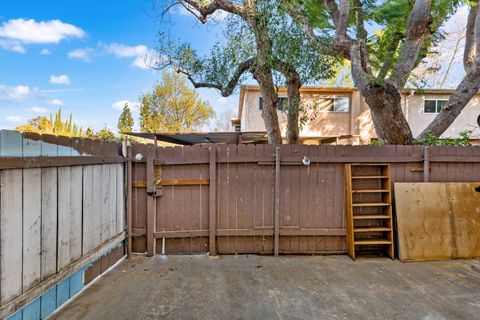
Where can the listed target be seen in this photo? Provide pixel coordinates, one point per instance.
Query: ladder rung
(371, 216)
(372, 242)
(372, 229)
(373, 204)
(369, 177)
(370, 191)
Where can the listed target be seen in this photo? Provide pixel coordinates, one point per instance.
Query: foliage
(105, 135)
(44, 125)
(173, 106)
(432, 140)
(125, 122)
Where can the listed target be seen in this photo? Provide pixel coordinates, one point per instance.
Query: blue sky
(86, 57)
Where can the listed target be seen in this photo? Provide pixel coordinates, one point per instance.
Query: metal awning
(205, 137)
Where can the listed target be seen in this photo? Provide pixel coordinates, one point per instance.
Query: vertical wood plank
(113, 200)
(76, 199)
(88, 212)
(277, 201)
(10, 234)
(97, 206)
(212, 201)
(105, 205)
(49, 222)
(129, 200)
(150, 206)
(64, 217)
(120, 203)
(32, 225)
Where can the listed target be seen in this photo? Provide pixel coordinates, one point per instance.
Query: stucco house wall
(357, 122)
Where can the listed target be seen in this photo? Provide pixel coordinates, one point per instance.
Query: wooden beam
(34, 292)
(426, 164)
(284, 231)
(212, 207)
(173, 182)
(45, 162)
(276, 206)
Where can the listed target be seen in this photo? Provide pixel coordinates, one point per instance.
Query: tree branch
(418, 28)
(226, 90)
(206, 9)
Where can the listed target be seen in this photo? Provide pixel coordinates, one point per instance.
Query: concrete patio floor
(294, 287)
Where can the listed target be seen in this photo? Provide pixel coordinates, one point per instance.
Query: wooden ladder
(368, 203)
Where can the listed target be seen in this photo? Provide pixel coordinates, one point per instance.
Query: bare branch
(206, 9)
(226, 90)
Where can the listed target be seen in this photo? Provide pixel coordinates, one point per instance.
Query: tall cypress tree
(125, 122)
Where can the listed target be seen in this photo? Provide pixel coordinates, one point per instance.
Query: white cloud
(16, 93)
(12, 46)
(45, 52)
(39, 110)
(134, 106)
(56, 102)
(62, 79)
(144, 57)
(82, 54)
(31, 31)
(13, 118)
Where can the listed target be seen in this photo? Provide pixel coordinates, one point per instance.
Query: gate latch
(154, 192)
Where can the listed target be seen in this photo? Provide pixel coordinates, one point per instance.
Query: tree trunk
(293, 112)
(269, 112)
(387, 115)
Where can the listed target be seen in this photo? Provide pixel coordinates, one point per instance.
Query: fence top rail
(44, 162)
(294, 154)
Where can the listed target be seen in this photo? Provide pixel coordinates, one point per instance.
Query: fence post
(129, 201)
(277, 201)
(426, 164)
(212, 187)
(151, 196)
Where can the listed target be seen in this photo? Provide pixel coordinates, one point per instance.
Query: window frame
(260, 102)
(334, 98)
(436, 105)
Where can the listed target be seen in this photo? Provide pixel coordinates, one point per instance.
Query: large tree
(173, 106)
(382, 61)
(260, 41)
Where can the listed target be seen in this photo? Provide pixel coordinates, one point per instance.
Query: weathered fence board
(49, 222)
(32, 226)
(311, 215)
(11, 234)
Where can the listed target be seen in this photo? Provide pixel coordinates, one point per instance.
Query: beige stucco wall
(325, 124)
(418, 120)
(358, 121)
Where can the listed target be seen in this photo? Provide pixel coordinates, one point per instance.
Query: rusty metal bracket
(155, 192)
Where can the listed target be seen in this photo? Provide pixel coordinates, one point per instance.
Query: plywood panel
(49, 222)
(32, 225)
(10, 234)
(438, 220)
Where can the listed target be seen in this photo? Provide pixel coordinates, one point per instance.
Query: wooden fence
(261, 199)
(58, 214)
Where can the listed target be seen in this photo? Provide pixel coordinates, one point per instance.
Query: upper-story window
(434, 105)
(282, 103)
(333, 104)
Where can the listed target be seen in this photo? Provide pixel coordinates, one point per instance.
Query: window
(434, 106)
(282, 103)
(334, 104)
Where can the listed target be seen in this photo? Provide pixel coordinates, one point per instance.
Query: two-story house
(340, 115)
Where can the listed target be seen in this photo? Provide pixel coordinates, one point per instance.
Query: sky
(86, 57)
